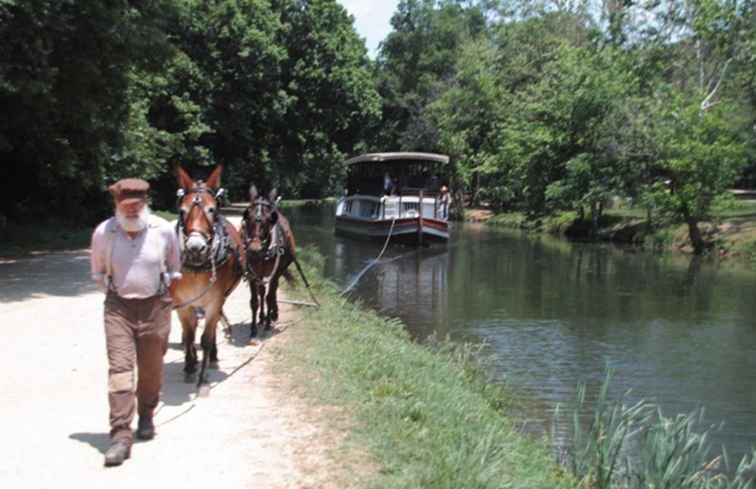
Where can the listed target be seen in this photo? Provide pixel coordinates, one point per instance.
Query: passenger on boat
(445, 200)
(388, 184)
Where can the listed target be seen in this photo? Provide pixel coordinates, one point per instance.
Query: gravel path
(53, 397)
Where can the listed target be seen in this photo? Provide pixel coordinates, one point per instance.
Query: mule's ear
(272, 196)
(214, 180)
(184, 180)
(253, 193)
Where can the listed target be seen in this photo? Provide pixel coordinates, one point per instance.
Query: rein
(210, 284)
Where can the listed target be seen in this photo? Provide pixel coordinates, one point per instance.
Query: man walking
(135, 258)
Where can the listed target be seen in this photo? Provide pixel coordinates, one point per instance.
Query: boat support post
(420, 221)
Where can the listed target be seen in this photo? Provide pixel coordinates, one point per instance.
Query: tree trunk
(475, 200)
(595, 214)
(695, 236)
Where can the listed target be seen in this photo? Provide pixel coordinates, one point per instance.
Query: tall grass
(595, 450)
(637, 447)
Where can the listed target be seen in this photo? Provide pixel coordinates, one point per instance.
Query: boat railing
(390, 207)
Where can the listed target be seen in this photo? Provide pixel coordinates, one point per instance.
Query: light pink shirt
(139, 266)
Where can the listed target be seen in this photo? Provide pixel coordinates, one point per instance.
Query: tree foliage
(544, 105)
(276, 90)
(549, 106)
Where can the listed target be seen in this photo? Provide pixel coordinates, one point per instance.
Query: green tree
(700, 156)
(283, 88)
(466, 117)
(65, 69)
(416, 62)
(330, 93)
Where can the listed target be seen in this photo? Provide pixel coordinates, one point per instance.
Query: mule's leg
(263, 316)
(188, 328)
(272, 299)
(208, 343)
(226, 324)
(214, 355)
(253, 307)
(214, 317)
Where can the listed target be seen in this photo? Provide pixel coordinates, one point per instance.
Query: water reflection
(677, 331)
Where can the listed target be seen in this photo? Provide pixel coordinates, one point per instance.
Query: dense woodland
(543, 106)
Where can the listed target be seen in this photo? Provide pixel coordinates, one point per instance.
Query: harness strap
(110, 231)
(275, 248)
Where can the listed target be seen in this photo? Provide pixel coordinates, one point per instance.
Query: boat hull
(403, 230)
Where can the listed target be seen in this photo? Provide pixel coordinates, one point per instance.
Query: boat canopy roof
(396, 173)
(398, 156)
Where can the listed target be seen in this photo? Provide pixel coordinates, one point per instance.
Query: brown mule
(212, 263)
(269, 249)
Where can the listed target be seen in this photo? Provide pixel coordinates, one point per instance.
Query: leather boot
(117, 453)
(145, 428)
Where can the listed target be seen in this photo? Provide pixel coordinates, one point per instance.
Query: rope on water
(372, 262)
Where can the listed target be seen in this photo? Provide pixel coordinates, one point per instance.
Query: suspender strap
(110, 231)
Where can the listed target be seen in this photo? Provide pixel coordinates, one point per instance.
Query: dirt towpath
(250, 432)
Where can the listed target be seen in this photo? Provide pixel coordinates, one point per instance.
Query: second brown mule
(269, 250)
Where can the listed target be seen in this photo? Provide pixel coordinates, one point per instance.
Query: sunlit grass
(426, 412)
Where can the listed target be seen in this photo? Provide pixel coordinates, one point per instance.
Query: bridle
(196, 202)
(260, 203)
(215, 239)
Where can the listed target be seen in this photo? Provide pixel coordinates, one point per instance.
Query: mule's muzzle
(196, 245)
(256, 245)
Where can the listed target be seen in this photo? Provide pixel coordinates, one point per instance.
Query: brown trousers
(136, 332)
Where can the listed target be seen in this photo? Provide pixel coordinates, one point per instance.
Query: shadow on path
(64, 274)
(98, 441)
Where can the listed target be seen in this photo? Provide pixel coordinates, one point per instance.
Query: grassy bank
(23, 239)
(425, 412)
(307, 203)
(731, 232)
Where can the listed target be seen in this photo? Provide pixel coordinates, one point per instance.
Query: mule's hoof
(203, 390)
(213, 364)
(253, 342)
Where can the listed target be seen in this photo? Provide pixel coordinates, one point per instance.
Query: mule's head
(261, 216)
(198, 211)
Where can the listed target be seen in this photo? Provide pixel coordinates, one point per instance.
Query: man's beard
(134, 224)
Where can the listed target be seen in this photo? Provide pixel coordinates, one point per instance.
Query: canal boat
(399, 196)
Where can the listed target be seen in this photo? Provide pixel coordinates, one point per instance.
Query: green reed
(637, 447)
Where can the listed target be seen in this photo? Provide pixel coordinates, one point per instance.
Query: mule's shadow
(176, 391)
(237, 336)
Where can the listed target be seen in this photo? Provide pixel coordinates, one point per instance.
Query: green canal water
(552, 313)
